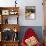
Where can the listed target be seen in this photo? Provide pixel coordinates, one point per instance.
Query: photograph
(30, 13)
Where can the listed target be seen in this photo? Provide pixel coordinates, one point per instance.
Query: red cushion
(29, 33)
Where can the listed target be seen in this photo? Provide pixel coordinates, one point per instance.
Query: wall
(7, 3)
(22, 3)
(39, 16)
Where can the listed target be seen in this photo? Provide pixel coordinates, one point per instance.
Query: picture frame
(30, 12)
(5, 12)
(12, 12)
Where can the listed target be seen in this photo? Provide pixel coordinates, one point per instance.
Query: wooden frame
(5, 12)
(30, 13)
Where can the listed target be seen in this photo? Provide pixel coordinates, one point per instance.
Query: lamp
(15, 3)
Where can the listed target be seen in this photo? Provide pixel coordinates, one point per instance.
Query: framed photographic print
(12, 12)
(5, 12)
(30, 12)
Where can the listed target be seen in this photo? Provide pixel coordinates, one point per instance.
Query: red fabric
(28, 33)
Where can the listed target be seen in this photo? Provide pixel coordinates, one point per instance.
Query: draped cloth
(28, 34)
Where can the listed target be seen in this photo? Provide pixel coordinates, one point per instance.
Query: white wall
(7, 3)
(12, 19)
(22, 3)
(39, 13)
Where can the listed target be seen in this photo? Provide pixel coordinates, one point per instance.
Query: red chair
(29, 33)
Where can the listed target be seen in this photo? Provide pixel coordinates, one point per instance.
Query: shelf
(11, 41)
(8, 10)
(9, 15)
(10, 26)
(9, 20)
